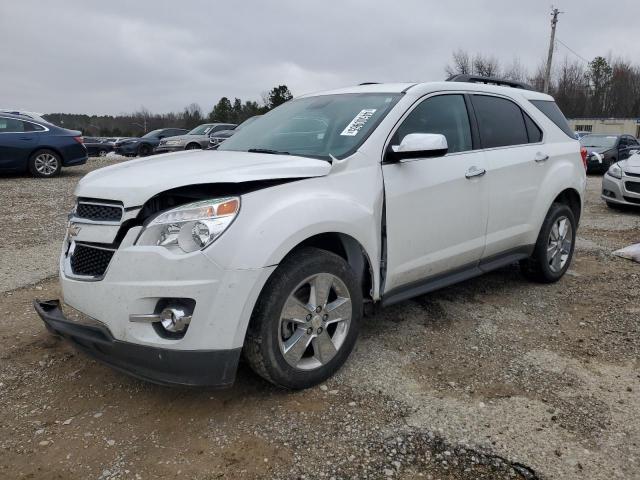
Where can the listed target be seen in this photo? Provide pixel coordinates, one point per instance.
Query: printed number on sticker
(358, 122)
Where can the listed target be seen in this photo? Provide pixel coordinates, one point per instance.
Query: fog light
(174, 319)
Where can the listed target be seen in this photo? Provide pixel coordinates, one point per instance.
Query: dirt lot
(494, 378)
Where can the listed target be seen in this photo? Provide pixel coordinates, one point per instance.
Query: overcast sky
(108, 57)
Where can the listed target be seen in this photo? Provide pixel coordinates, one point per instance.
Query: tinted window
(533, 131)
(444, 114)
(500, 122)
(551, 110)
(10, 125)
(32, 127)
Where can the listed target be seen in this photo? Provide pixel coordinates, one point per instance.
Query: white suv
(272, 245)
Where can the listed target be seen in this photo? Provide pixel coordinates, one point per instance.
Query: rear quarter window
(553, 112)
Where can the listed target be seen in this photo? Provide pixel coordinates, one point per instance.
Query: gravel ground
(495, 378)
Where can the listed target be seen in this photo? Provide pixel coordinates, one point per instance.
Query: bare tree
(461, 64)
(486, 66)
(515, 71)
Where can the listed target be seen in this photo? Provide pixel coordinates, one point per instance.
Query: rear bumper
(195, 368)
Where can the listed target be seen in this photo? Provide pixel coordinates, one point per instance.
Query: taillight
(80, 140)
(583, 152)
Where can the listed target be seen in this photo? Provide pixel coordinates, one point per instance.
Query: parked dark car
(31, 144)
(220, 136)
(97, 147)
(605, 150)
(144, 145)
(197, 138)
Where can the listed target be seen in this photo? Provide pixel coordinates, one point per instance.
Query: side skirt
(442, 280)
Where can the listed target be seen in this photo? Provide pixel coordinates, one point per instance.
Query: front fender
(273, 221)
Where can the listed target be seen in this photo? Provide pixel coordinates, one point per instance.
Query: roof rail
(489, 81)
(368, 83)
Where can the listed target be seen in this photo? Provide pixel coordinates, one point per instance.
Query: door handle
(475, 172)
(541, 157)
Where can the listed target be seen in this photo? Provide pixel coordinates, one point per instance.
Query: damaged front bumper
(195, 368)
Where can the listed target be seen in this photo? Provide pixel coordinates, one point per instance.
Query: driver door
(436, 208)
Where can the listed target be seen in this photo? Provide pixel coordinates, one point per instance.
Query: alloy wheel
(46, 164)
(559, 244)
(315, 321)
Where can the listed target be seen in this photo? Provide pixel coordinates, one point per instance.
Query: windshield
(321, 127)
(598, 141)
(201, 130)
(153, 133)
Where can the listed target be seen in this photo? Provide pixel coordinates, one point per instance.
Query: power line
(572, 50)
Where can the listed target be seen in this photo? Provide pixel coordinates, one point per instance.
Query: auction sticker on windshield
(358, 122)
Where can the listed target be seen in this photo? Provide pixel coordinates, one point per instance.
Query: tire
(545, 265)
(193, 146)
(102, 153)
(144, 150)
(270, 334)
(45, 164)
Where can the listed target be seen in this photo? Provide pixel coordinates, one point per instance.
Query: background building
(614, 126)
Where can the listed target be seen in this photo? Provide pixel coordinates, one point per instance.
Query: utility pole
(554, 21)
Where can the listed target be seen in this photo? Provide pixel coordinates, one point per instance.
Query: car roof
(419, 89)
(20, 116)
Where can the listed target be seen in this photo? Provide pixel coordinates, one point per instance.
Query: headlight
(191, 227)
(615, 171)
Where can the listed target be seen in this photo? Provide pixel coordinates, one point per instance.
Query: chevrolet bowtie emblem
(73, 230)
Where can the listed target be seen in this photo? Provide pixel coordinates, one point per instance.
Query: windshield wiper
(267, 150)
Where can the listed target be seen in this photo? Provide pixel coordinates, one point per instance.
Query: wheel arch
(350, 249)
(572, 199)
(55, 150)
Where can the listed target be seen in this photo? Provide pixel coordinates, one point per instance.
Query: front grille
(632, 187)
(99, 212)
(632, 174)
(632, 200)
(90, 261)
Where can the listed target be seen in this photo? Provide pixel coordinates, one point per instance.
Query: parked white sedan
(621, 183)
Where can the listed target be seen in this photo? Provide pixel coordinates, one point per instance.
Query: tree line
(142, 121)
(603, 87)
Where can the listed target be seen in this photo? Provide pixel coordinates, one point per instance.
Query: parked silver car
(621, 183)
(196, 139)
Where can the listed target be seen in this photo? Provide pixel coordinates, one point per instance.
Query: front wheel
(306, 320)
(144, 150)
(554, 248)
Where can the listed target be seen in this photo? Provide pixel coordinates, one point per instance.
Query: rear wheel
(102, 153)
(554, 248)
(306, 320)
(45, 164)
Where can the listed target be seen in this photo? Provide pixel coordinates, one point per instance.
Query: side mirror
(419, 145)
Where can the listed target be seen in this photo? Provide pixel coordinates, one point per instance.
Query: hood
(631, 164)
(135, 181)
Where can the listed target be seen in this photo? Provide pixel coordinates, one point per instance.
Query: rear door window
(553, 112)
(500, 122)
